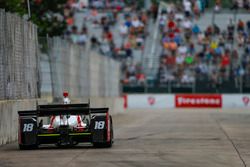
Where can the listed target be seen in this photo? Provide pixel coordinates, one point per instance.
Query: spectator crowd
(190, 54)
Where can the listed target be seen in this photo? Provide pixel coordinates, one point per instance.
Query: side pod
(102, 129)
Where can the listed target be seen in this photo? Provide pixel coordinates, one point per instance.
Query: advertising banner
(236, 101)
(160, 101)
(198, 101)
(150, 101)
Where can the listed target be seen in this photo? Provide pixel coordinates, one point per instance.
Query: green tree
(46, 14)
(13, 6)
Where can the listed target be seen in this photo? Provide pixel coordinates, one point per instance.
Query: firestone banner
(198, 101)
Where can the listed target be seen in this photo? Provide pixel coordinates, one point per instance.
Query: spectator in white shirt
(187, 7)
(187, 24)
(136, 23)
(182, 50)
(123, 30)
(180, 59)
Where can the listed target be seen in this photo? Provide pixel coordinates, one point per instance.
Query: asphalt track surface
(175, 138)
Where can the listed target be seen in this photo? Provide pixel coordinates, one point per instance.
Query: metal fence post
(241, 84)
(28, 5)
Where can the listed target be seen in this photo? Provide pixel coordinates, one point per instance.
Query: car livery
(76, 123)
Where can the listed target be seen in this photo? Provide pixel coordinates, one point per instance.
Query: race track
(176, 138)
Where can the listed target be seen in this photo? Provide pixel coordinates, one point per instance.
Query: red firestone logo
(198, 101)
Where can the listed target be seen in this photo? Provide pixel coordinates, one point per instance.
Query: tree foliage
(46, 14)
(14, 6)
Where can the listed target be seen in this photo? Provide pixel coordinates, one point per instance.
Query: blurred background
(181, 46)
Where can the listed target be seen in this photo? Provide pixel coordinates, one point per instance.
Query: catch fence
(30, 69)
(19, 59)
(79, 70)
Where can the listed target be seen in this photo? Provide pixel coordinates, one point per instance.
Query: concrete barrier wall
(9, 117)
(104, 76)
(115, 105)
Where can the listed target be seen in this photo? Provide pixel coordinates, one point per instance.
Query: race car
(67, 125)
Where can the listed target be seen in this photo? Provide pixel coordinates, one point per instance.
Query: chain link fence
(19, 61)
(78, 70)
(50, 66)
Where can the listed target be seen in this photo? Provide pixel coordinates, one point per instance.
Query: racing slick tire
(28, 147)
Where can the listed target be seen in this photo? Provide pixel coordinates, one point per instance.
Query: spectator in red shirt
(171, 25)
(109, 36)
(171, 35)
(177, 30)
(170, 61)
(241, 26)
(140, 78)
(225, 60)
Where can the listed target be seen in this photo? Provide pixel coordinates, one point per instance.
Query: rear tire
(103, 145)
(27, 147)
(110, 143)
(98, 145)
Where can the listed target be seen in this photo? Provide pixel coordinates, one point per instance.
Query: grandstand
(187, 48)
(196, 51)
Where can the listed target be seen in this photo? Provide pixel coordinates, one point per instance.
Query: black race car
(95, 126)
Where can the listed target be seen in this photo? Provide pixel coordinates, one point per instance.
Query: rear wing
(98, 110)
(27, 113)
(83, 105)
(63, 109)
